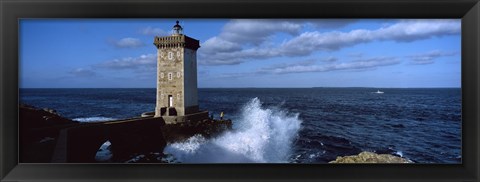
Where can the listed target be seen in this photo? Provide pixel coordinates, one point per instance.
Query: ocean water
(291, 125)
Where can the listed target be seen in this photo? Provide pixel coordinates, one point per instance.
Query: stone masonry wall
(170, 79)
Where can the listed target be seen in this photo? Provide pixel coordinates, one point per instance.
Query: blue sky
(116, 53)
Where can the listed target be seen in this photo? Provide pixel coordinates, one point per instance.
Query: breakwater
(48, 137)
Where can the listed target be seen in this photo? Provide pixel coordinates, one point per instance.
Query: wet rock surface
(207, 128)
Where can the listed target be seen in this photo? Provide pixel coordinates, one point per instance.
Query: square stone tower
(177, 93)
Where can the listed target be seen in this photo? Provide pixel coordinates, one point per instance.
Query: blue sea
(291, 125)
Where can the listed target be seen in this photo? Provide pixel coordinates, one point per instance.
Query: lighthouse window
(170, 55)
(178, 74)
(161, 75)
(170, 75)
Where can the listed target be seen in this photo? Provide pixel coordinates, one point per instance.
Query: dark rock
(207, 128)
(38, 131)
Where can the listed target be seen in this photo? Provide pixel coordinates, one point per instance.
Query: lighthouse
(177, 92)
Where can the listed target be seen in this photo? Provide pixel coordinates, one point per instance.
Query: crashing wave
(261, 135)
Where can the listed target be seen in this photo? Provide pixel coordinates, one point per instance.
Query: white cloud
(142, 62)
(210, 62)
(153, 31)
(307, 42)
(229, 47)
(404, 31)
(216, 44)
(411, 30)
(306, 63)
(429, 57)
(128, 43)
(311, 66)
(329, 59)
(256, 31)
(353, 65)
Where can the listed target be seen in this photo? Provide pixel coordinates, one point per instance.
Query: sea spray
(93, 119)
(261, 135)
(191, 145)
(104, 154)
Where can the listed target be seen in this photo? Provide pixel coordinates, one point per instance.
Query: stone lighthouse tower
(177, 93)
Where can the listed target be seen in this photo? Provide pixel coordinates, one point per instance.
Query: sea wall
(206, 127)
(38, 133)
(127, 137)
(47, 137)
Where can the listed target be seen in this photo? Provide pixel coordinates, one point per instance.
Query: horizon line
(217, 87)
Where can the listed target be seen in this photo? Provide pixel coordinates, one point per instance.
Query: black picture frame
(12, 11)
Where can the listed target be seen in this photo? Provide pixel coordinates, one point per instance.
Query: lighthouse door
(170, 101)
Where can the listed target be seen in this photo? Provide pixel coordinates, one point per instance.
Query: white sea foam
(136, 158)
(261, 135)
(399, 153)
(93, 119)
(104, 154)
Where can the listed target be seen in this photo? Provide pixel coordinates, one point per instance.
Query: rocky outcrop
(370, 157)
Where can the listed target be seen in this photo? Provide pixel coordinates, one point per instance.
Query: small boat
(378, 92)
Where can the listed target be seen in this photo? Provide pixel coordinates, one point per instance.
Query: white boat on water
(378, 92)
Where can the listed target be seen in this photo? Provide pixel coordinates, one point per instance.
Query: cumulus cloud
(211, 62)
(217, 44)
(256, 31)
(229, 47)
(411, 30)
(153, 31)
(303, 67)
(312, 66)
(404, 31)
(82, 72)
(127, 43)
(142, 62)
(429, 57)
(329, 59)
(306, 63)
